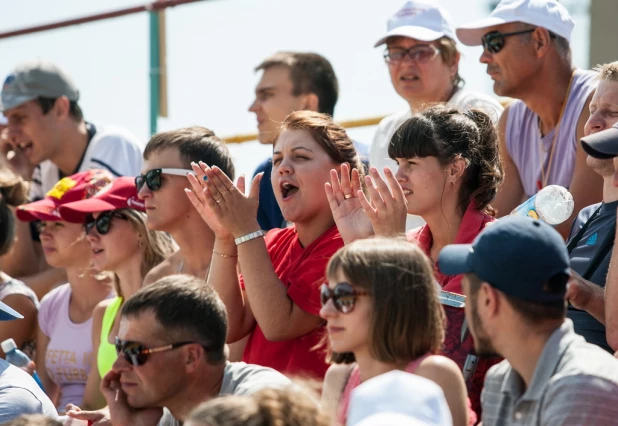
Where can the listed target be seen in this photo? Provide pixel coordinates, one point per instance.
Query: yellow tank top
(107, 352)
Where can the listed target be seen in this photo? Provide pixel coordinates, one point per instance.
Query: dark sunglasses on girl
(493, 41)
(102, 222)
(137, 354)
(152, 178)
(343, 295)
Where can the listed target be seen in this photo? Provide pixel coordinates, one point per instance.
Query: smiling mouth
(287, 190)
(25, 146)
(409, 78)
(97, 251)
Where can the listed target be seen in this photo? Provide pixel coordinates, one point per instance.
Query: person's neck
(523, 346)
(195, 242)
(310, 231)
(73, 143)
(444, 225)
(610, 192)
(87, 288)
(201, 388)
(130, 277)
(369, 367)
(546, 95)
(420, 103)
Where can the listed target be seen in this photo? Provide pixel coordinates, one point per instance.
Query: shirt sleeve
(580, 400)
(116, 154)
(305, 281)
(15, 401)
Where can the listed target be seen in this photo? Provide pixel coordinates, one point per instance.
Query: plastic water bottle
(552, 204)
(18, 358)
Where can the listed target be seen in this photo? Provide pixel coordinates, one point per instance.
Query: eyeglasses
(153, 178)
(102, 222)
(419, 54)
(137, 354)
(494, 41)
(343, 295)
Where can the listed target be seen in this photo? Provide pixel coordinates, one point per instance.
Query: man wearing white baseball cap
(423, 62)
(526, 47)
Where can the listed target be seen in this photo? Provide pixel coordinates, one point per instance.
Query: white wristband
(249, 237)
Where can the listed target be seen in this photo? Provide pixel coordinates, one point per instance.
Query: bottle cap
(8, 345)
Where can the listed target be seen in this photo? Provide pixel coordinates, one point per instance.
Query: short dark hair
(446, 133)
(532, 312)
(187, 308)
(194, 144)
(47, 104)
(310, 73)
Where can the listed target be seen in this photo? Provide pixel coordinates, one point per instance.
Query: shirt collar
(552, 353)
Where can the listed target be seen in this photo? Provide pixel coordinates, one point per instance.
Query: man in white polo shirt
(46, 125)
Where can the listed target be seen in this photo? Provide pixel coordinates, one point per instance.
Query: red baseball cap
(120, 194)
(76, 187)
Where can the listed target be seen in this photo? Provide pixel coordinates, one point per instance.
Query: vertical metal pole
(154, 70)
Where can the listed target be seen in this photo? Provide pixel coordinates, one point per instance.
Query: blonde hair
(607, 71)
(289, 406)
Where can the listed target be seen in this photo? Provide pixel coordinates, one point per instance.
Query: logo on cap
(135, 203)
(61, 187)
(410, 12)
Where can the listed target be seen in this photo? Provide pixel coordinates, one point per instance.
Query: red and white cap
(421, 20)
(548, 14)
(76, 187)
(120, 194)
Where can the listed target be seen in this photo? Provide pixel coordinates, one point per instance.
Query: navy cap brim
(7, 313)
(602, 145)
(454, 259)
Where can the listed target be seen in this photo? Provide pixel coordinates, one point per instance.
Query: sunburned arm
(23, 329)
(447, 375)
(511, 192)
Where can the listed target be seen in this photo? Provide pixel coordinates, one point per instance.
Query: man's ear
(489, 300)
(62, 107)
(542, 40)
(194, 355)
(311, 102)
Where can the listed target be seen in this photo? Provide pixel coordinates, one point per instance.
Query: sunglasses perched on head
(152, 178)
(494, 41)
(343, 296)
(137, 354)
(102, 222)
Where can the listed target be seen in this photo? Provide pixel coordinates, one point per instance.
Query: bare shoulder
(168, 267)
(438, 368)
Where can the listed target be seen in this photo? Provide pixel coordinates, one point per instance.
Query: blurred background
(212, 46)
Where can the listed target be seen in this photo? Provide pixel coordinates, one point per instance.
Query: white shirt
(112, 148)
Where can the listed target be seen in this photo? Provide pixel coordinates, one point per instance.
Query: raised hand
(388, 208)
(351, 220)
(233, 210)
(94, 418)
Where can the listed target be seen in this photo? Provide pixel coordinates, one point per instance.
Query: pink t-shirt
(67, 359)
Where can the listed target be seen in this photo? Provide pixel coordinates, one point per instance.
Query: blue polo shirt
(582, 254)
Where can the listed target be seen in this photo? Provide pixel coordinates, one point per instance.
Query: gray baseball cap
(30, 80)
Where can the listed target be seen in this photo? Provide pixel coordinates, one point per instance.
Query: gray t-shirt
(240, 378)
(591, 241)
(19, 394)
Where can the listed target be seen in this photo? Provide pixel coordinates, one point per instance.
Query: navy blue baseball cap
(517, 255)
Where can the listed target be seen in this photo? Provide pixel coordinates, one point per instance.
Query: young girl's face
(347, 332)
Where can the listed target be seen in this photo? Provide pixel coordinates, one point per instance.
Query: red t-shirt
(302, 271)
(472, 223)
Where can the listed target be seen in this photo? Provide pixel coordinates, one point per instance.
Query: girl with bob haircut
(382, 311)
(449, 171)
(114, 221)
(276, 300)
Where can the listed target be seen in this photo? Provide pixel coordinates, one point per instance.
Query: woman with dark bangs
(383, 314)
(449, 171)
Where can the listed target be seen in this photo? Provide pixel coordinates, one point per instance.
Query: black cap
(517, 255)
(603, 145)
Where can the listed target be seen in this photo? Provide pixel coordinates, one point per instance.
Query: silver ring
(219, 200)
(347, 196)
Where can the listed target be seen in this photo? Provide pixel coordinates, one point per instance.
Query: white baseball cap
(398, 398)
(548, 14)
(423, 20)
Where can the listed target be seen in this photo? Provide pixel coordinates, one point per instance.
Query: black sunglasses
(343, 295)
(494, 41)
(102, 222)
(153, 177)
(137, 354)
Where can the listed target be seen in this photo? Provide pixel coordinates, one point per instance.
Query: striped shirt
(574, 383)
